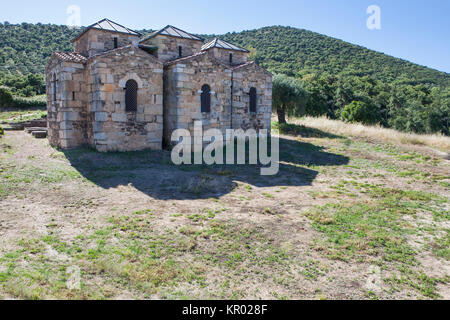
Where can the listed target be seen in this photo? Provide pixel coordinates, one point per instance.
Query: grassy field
(22, 115)
(349, 216)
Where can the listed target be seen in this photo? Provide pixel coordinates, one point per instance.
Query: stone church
(120, 92)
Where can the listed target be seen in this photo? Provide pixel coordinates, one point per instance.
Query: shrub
(37, 101)
(6, 97)
(362, 112)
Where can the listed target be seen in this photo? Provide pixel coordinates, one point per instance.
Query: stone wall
(224, 55)
(97, 41)
(168, 47)
(245, 78)
(183, 83)
(67, 110)
(111, 128)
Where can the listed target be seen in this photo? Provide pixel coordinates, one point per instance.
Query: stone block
(109, 79)
(70, 116)
(101, 116)
(66, 76)
(100, 136)
(65, 134)
(98, 126)
(65, 125)
(109, 88)
(119, 117)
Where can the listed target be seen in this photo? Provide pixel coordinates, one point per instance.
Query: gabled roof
(124, 48)
(108, 25)
(169, 63)
(70, 57)
(251, 63)
(217, 43)
(172, 31)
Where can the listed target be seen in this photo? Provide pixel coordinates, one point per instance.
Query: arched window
(206, 98)
(131, 88)
(252, 99)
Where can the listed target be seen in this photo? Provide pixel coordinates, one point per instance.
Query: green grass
(128, 253)
(441, 246)
(16, 178)
(375, 231)
(22, 115)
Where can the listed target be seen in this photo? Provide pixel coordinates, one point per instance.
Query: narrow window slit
(205, 99)
(131, 88)
(252, 99)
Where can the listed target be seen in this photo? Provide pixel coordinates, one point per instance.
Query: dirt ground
(344, 219)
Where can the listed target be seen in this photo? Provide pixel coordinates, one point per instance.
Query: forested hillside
(298, 52)
(24, 49)
(339, 79)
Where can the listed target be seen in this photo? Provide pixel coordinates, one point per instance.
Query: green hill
(334, 74)
(24, 48)
(298, 52)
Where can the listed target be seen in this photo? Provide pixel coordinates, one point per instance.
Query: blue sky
(418, 31)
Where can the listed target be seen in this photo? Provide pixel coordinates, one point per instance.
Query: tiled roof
(173, 32)
(243, 65)
(251, 63)
(217, 43)
(109, 25)
(117, 50)
(110, 51)
(183, 59)
(71, 57)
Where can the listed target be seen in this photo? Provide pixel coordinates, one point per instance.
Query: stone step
(41, 123)
(14, 127)
(39, 134)
(32, 129)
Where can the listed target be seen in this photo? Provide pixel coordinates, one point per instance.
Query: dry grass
(437, 141)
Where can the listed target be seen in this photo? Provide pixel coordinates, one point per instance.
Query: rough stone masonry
(120, 92)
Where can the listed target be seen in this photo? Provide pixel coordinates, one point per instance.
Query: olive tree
(288, 97)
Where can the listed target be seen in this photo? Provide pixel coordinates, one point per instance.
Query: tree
(288, 96)
(359, 111)
(6, 97)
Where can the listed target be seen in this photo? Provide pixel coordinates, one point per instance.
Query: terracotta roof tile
(109, 52)
(184, 58)
(243, 65)
(71, 57)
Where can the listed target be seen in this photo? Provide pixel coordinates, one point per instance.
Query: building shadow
(154, 174)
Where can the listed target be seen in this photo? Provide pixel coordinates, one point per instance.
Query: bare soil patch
(138, 227)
